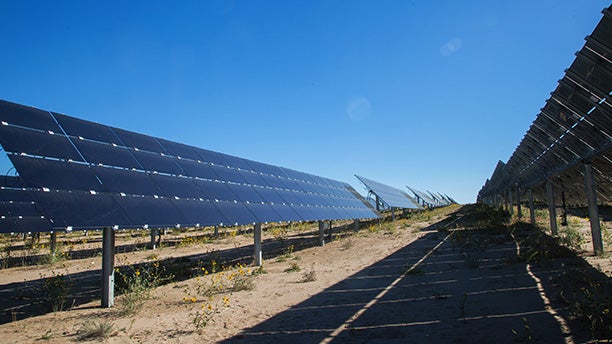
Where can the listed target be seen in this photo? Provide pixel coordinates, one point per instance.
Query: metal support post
(589, 184)
(108, 267)
(330, 227)
(216, 233)
(564, 214)
(257, 252)
(552, 211)
(53, 242)
(321, 233)
(356, 225)
(531, 209)
(511, 209)
(153, 238)
(519, 212)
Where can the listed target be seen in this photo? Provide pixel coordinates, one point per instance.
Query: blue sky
(429, 94)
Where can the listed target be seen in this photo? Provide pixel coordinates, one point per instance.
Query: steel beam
(257, 256)
(589, 184)
(552, 211)
(532, 218)
(108, 267)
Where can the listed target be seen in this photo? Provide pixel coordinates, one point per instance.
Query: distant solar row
(76, 173)
(391, 196)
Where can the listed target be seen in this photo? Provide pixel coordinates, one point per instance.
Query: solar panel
(121, 181)
(423, 197)
(55, 174)
(138, 141)
(389, 195)
(22, 140)
(28, 117)
(106, 154)
(88, 130)
(88, 175)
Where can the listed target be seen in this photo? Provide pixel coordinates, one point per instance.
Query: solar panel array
(391, 196)
(574, 126)
(429, 199)
(81, 174)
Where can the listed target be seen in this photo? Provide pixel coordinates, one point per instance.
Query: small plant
(137, 285)
(48, 335)
(287, 254)
(54, 291)
(347, 244)
(309, 276)
(294, 267)
(279, 233)
(90, 330)
(202, 317)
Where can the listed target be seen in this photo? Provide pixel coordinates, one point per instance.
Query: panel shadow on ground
(464, 291)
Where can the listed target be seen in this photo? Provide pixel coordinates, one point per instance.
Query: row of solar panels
(575, 125)
(391, 197)
(76, 173)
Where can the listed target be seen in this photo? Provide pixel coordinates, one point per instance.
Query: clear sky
(429, 94)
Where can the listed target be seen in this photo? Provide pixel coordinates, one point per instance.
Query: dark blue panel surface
(227, 174)
(211, 157)
(179, 149)
(237, 213)
(308, 213)
(15, 195)
(24, 224)
(99, 153)
(19, 140)
(154, 212)
(126, 181)
(253, 178)
(204, 213)
(157, 162)
(259, 167)
(197, 169)
(291, 197)
(270, 195)
(237, 162)
(139, 141)
(177, 186)
(264, 212)
(287, 213)
(26, 116)
(274, 181)
(215, 190)
(54, 174)
(306, 187)
(86, 129)
(14, 209)
(245, 193)
(11, 182)
(277, 171)
(79, 209)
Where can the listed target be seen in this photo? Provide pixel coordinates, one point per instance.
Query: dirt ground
(431, 278)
